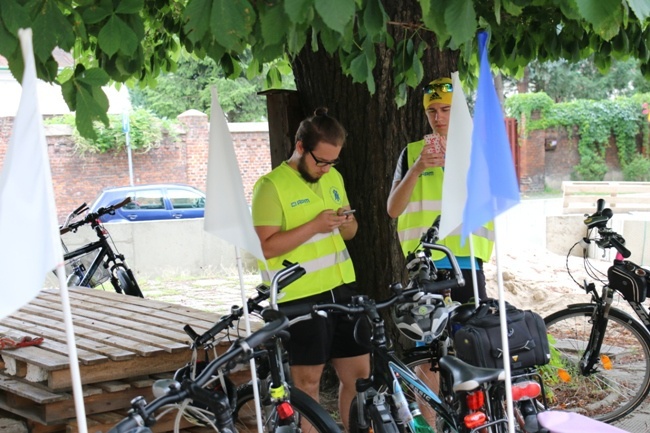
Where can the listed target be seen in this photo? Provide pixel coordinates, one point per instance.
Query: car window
(183, 199)
(147, 199)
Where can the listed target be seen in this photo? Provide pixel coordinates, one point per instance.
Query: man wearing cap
(416, 195)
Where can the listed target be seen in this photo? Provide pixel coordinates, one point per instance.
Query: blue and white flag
(492, 186)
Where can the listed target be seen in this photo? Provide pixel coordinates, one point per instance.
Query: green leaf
(329, 39)
(231, 22)
(599, 13)
(296, 39)
(274, 23)
(374, 17)
(69, 93)
(116, 35)
(197, 15)
(98, 12)
(359, 68)
(8, 42)
(298, 10)
(336, 14)
(95, 77)
(641, 9)
(512, 8)
(434, 18)
(19, 16)
(129, 6)
(460, 19)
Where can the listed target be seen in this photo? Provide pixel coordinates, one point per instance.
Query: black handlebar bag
(629, 279)
(478, 340)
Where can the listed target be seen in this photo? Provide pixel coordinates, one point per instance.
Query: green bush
(146, 132)
(591, 168)
(637, 170)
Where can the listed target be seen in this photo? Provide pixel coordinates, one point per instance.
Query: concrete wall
(562, 231)
(163, 248)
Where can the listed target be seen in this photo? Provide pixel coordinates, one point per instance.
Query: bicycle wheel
(420, 364)
(126, 284)
(378, 423)
(622, 377)
(307, 408)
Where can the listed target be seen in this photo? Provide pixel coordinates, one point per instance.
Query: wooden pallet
(123, 343)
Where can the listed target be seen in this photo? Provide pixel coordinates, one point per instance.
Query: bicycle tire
(307, 408)
(378, 424)
(126, 283)
(611, 392)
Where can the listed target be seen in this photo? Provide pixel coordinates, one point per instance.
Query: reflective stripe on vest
(324, 256)
(425, 205)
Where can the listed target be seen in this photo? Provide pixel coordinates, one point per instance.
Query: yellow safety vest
(425, 205)
(324, 256)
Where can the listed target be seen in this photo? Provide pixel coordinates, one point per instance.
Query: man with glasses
(416, 195)
(301, 213)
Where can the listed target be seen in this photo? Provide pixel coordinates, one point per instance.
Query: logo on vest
(334, 192)
(299, 202)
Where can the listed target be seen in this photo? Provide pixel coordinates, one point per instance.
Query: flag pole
(504, 327)
(77, 391)
(253, 367)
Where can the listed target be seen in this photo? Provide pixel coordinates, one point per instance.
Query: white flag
(30, 245)
(226, 211)
(459, 146)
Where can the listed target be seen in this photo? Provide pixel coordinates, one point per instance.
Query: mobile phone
(349, 212)
(434, 141)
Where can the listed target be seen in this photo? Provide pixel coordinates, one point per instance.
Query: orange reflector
(474, 420)
(606, 362)
(475, 400)
(525, 390)
(564, 375)
(285, 410)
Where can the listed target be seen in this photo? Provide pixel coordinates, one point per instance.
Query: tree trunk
(377, 132)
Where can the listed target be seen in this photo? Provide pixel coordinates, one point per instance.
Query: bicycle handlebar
(283, 278)
(91, 217)
(608, 237)
(142, 413)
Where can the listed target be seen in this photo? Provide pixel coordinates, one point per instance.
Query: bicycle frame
(104, 250)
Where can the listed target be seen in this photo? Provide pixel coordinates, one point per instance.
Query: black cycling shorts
(317, 340)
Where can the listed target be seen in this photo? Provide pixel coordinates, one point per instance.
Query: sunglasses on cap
(443, 87)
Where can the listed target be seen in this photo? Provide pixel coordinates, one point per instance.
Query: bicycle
(387, 400)
(601, 361)
(284, 407)
(171, 393)
(95, 263)
(424, 321)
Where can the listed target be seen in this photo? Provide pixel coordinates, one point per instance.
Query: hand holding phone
(434, 143)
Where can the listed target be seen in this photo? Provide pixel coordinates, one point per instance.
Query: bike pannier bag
(629, 279)
(478, 340)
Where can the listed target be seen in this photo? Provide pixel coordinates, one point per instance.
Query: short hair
(320, 127)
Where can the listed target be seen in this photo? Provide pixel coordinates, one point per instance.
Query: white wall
(163, 248)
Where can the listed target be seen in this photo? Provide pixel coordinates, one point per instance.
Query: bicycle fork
(599, 319)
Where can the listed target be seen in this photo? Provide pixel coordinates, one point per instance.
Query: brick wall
(80, 178)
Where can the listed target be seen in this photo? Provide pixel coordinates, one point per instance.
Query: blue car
(152, 202)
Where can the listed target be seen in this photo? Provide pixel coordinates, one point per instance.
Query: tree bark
(381, 130)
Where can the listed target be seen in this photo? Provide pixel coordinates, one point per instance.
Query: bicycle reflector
(605, 361)
(285, 410)
(475, 400)
(525, 390)
(474, 420)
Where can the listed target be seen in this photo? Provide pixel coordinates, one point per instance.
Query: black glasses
(443, 87)
(321, 163)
